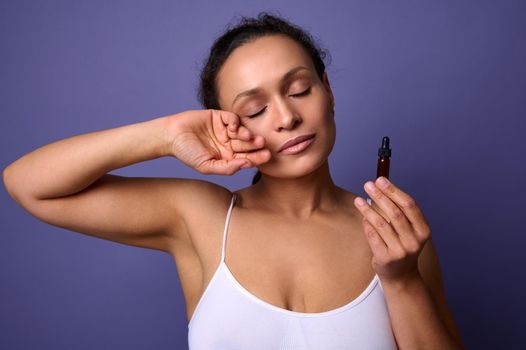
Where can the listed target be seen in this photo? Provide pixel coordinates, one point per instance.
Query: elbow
(10, 188)
(6, 179)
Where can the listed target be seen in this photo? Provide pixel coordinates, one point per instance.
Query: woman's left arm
(406, 262)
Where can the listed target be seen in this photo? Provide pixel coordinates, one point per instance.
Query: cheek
(329, 126)
(254, 126)
(321, 106)
(250, 127)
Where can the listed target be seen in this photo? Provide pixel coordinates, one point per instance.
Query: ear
(329, 90)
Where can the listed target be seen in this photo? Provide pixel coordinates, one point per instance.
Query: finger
(240, 133)
(220, 130)
(225, 133)
(407, 204)
(380, 225)
(391, 212)
(229, 119)
(246, 146)
(223, 166)
(257, 157)
(376, 242)
(378, 209)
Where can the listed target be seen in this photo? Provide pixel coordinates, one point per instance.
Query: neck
(297, 197)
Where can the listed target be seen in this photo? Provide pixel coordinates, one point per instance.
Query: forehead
(259, 63)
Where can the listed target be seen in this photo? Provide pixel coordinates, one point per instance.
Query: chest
(299, 265)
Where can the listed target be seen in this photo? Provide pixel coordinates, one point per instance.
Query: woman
(308, 264)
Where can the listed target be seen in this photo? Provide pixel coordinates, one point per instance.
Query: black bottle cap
(384, 151)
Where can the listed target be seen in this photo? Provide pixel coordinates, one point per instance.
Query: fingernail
(382, 182)
(245, 165)
(359, 201)
(370, 186)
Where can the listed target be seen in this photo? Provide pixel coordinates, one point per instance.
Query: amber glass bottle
(384, 152)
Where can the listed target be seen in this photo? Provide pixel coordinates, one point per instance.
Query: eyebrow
(255, 91)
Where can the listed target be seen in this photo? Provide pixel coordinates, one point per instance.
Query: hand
(214, 142)
(395, 228)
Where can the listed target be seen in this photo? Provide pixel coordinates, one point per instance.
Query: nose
(286, 118)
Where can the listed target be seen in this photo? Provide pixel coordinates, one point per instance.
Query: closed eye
(258, 113)
(304, 93)
(301, 94)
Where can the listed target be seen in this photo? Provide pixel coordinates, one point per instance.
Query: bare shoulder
(202, 206)
(347, 200)
(197, 200)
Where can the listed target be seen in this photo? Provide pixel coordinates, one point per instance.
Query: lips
(295, 141)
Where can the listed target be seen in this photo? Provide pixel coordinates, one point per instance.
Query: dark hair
(245, 31)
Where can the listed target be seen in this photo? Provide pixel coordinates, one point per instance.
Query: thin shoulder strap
(227, 221)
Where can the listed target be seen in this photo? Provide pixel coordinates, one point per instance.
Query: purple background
(444, 79)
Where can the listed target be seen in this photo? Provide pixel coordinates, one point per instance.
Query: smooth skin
(296, 240)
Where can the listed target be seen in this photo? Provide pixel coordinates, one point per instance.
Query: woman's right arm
(66, 184)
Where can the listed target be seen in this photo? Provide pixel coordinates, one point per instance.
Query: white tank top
(230, 317)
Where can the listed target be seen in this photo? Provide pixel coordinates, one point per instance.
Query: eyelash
(301, 94)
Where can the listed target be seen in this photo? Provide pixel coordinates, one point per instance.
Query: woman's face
(272, 85)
